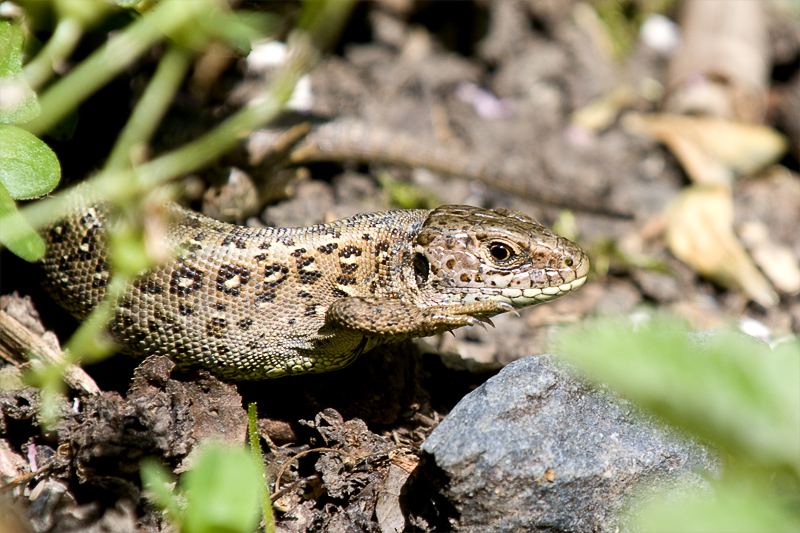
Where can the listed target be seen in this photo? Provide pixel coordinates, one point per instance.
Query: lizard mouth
(517, 297)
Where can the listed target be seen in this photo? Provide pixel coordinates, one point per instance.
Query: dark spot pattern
(227, 279)
(100, 279)
(151, 286)
(309, 277)
(244, 324)
(328, 249)
(236, 238)
(349, 250)
(164, 319)
(185, 280)
(349, 268)
(192, 221)
(185, 310)
(216, 327)
(303, 262)
(346, 280)
(86, 250)
(56, 234)
(125, 321)
(223, 351)
(274, 275)
(339, 293)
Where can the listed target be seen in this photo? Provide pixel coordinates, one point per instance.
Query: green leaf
(222, 492)
(157, 481)
(725, 387)
(15, 233)
(128, 251)
(240, 28)
(255, 455)
(28, 167)
(18, 102)
(737, 504)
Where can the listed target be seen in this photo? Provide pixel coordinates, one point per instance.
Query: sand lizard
(256, 303)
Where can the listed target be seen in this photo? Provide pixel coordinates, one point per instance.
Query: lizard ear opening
(421, 268)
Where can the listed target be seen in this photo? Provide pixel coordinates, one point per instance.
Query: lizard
(256, 303)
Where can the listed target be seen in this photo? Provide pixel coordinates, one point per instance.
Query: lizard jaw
(516, 297)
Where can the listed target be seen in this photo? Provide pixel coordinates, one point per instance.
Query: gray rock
(534, 449)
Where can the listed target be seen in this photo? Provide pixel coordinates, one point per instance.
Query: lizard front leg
(390, 318)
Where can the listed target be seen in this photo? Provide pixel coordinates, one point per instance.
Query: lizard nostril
(568, 261)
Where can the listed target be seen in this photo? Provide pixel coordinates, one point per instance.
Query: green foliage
(731, 391)
(255, 456)
(28, 167)
(408, 195)
(19, 101)
(15, 233)
(221, 491)
(751, 503)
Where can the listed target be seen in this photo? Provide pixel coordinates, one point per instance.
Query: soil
(497, 81)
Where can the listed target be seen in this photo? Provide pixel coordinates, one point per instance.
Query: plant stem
(255, 453)
(58, 48)
(151, 108)
(110, 59)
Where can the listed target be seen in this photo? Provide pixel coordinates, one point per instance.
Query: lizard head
(471, 255)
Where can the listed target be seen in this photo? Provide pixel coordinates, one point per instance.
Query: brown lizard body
(256, 303)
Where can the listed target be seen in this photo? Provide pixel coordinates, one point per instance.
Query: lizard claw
(506, 307)
(486, 320)
(479, 321)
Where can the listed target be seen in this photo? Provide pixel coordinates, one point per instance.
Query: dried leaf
(711, 150)
(700, 233)
(601, 112)
(776, 260)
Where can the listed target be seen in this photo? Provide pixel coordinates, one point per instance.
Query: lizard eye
(500, 252)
